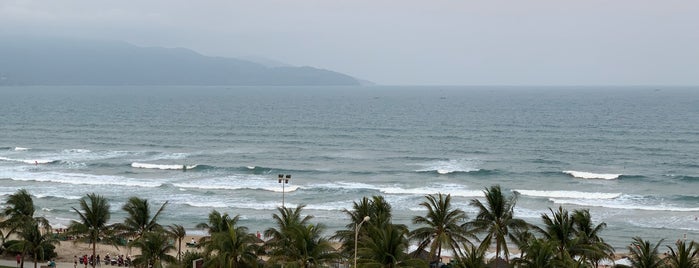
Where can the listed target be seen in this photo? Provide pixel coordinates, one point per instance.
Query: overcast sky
(404, 42)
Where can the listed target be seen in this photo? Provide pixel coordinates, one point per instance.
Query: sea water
(628, 154)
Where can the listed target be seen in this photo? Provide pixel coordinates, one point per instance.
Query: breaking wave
(161, 166)
(567, 194)
(589, 175)
(29, 161)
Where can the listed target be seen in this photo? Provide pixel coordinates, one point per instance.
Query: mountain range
(55, 61)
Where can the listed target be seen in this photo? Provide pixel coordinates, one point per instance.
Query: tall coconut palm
(218, 222)
(178, 232)
(280, 238)
(496, 218)
(94, 215)
(308, 248)
(154, 247)
(683, 255)
(539, 253)
(643, 254)
(591, 245)
(386, 246)
(233, 248)
(473, 257)
(19, 212)
(444, 226)
(379, 212)
(139, 220)
(286, 219)
(34, 242)
(559, 227)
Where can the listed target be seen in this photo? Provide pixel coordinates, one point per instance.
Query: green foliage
(297, 242)
(35, 243)
(154, 247)
(139, 220)
(444, 227)
(234, 248)
(189, 257)
(178, 232)
(94, 215)
(683, 255)
(644, 254)
(496, 218)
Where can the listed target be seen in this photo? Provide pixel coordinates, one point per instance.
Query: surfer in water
(184, 168)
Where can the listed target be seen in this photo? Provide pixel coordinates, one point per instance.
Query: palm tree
(559, 228)
(474, 257)
(19, 212)
(496, 218)
(539, 253)
(93, 220)
(378, 210)
(178, 232)
(234, 248)
(280, 239)
(35, 242)
(644, 255)
(218, 222)
(139, 220)
(154, 248)
(308, 247)
(444, 226)
(685, 255)
(386, 246)
(593, 247)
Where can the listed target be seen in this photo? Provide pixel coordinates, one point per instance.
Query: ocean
(628, 154)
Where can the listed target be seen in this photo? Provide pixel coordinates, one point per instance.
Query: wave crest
(449, 166)
(160, 166)
(590, 175)
(28, 161)
(567, 194)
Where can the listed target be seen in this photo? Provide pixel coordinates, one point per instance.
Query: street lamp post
(284, 180)
(356, 237)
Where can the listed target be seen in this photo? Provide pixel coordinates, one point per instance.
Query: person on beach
(75, 261)
(19, 259)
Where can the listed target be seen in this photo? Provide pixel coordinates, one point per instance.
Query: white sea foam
(623, 205)
(346, 185)
(589, 175)
(81, 179)
(250, 167)
(77, 151)
(568, 194)
(449, 166)
(238, 182)
(331, 206)
(21, 149)
(71, 197)
(454, 191)
(160, 166)
(28, 161)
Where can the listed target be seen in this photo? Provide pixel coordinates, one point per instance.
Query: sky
(403, 42)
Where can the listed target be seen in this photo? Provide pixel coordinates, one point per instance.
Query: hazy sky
(428, 42)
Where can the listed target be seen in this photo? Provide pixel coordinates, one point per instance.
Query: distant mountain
(35, 61)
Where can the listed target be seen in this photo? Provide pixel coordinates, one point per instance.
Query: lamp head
(366, 218)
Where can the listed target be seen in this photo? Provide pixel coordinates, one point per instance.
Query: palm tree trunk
(94, 251)
(497, 251)
(179, 249)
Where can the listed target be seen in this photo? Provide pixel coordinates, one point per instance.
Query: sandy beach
(67, 250)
